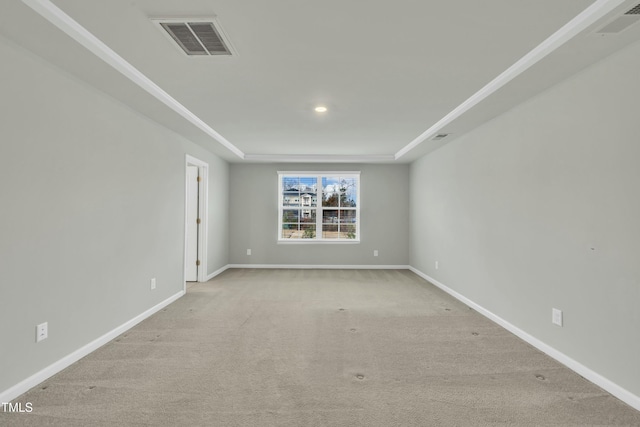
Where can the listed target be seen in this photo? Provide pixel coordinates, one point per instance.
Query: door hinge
(199, 179)
(198, 221)
(197, 262)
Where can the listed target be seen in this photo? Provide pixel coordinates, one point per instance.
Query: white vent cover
(622, 22)
(197, 36)
(634, 10)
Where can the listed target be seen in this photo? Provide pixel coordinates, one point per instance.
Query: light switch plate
(556, 316)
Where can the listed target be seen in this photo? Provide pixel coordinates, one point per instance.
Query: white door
(192, 224)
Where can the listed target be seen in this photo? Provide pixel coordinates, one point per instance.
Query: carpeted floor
(318, 348)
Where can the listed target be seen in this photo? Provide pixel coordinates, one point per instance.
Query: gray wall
(384, 217)
(92, 207)
(538, 209)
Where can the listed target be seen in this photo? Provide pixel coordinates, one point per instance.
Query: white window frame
(318, 208)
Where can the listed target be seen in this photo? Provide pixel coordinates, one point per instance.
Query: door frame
(203, 214)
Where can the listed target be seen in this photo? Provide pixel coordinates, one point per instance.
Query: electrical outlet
(375, 252)
(248, 251)
(556, 316)
(42, 331)
(437, 265)
(153, 283)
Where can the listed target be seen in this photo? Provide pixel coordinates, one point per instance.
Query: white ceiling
(387, 70)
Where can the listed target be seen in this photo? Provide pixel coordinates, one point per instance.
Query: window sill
(317, 242)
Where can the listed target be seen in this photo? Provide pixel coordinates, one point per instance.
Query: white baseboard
(602, 382)
(218, 271)
(323, 266)
(54, 368)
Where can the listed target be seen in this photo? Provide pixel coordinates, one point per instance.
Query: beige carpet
(318, 348)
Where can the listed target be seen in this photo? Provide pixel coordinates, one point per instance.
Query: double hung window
(319, 206)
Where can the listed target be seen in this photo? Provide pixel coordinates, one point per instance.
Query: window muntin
(319, 206)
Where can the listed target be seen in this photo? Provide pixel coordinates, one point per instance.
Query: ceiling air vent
(634, 10)
(197, 37)
(439, 136)
(622, 22)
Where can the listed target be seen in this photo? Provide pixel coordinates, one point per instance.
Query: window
(319, 207)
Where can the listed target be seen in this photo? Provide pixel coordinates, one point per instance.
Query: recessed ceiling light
(321, 109)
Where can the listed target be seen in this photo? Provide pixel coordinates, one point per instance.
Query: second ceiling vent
(622, 22)
(439, 136)
(197, 37)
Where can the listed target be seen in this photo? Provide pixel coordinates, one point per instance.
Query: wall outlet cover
(42, 331)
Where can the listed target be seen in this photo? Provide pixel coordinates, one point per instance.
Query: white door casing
(192, 225)
(202, 212)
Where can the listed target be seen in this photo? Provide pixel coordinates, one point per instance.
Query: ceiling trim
(319, 158)
(583, 20)
(73, 29)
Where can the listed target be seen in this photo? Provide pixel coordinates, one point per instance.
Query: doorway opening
(196, 214)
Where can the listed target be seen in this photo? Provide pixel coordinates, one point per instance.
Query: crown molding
(578, 24)
(319, 158)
